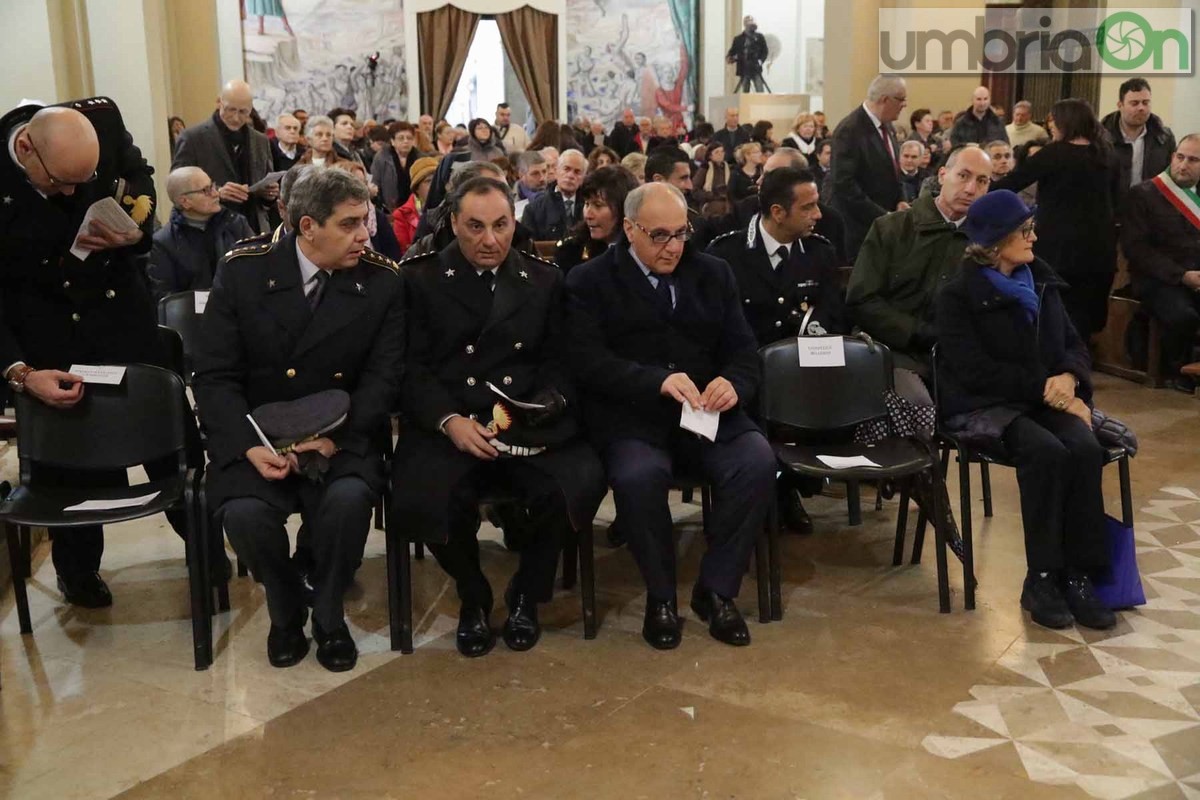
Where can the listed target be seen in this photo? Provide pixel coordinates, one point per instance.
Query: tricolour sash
(1186, 201)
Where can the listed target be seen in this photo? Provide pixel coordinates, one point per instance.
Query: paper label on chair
(846, 462)
(113, 505)
(201, 301)
(821, 351)
(91, 373)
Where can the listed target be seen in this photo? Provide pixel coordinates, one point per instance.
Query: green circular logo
(1123, 40)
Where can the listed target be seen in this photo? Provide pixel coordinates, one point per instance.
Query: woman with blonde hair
(636, 163)
(804, 135)
(744, 181)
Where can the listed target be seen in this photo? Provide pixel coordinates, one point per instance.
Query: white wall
(27, 55)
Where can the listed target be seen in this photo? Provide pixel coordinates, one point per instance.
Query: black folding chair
(178, 312)
(804, 404)
(111, 428)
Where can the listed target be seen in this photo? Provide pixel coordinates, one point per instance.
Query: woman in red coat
(406, 218)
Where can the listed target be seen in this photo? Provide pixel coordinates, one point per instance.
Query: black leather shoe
(1044, 601)
(661, 625)
(287, 646)
(475, 636)
(725, 622)
(795, 518)
(1085, 607)
(521, 629)
(335, 649)
(86, 591)
(614, 534)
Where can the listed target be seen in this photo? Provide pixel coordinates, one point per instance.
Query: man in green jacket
(906, 257)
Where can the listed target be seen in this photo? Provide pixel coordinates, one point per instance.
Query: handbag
(1121, 585)
(1111, 432)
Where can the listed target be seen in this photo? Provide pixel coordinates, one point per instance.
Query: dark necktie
(569, 205)
(314, 297)
(663, 291)
(488, 278)
(887, 145)
(782, 252)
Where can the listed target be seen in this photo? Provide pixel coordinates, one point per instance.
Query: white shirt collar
(770, 243)
(955, 222)
(308, 270)
(1125, 136)
(874, 119)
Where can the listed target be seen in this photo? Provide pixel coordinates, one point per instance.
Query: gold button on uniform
(291, 373)
(518, 346)
(508, 380)
(75, 318)
(778, 324)
(470, 349)
(110, 294)
(66, 284)
(781, 301)
(470, 381)
(337, 376)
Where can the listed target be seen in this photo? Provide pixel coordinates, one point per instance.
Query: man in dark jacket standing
(624, 136)
(187, 249)
(656, 330)
(748, 52)
(1143, 143)
(978, 124)
(865, 170)
(1160, 235)
(234, 155)
(315, 311)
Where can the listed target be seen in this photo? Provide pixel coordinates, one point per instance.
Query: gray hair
(527, 159)
(995, 143)
(794, 156)
(180, 180)
(321, 191)
(635, 199)
(465, 171)
(882, 86)
(573, 153)
(479, 185)
(294, 173)
(319, 119)
(911, 143)
(636, 163)
(1025, 104)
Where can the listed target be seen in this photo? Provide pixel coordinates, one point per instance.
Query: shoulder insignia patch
(723, 237)
(375, 258)
(256, 249)
(536, 257)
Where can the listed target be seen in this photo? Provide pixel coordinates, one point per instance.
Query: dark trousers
(1086, 302)
(743, 84)
(1177, 309)
(76, 551)
(741, 473)
(1058, 464)
(338, 518)
(535, 491)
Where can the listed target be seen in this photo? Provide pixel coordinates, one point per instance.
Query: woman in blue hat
(1014, 375)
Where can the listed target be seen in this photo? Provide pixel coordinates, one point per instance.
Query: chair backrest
(546, 249)
(824, 398)
(172, 344)
(178, 311)
(112, 427)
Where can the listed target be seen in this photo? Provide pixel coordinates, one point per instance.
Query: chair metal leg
(379, 521)
(419, 551)
(774, 564)
(570, 559)
(879, 496)
(587, 581)
(965, 528)
(392, 556)
(242, 571)
(196, 547)
(985, 478)
(854, 503)
(762, 573)
(901, 526)
(1126, 492)
(688, 494)
(943, 576)
(919, 537)
(18, 572)
(26, 537)
(705, 506)
(404, 579)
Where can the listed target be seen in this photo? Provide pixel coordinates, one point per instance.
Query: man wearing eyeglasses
(72, 295)
(186, 250)
(654, 326)
(234, 155)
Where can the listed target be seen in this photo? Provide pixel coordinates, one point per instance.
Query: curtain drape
(683, 14)
(444, 37)
(530, 39)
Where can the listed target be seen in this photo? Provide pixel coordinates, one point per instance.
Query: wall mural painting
(638, 54)
(321, 54)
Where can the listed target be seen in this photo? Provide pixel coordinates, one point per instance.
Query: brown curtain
(530, 40)
(444, 37)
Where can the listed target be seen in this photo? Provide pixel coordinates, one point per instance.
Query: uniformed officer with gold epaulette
(481, 314)
(73, 296)
(316, 310)
(787, 278)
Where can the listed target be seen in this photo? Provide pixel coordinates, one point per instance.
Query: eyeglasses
(1027, 230)
(210, 190)
(58, 182)
(661, 237)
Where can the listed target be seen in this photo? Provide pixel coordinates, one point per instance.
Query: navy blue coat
(185, 258)
(621, 348)
(990, 354)
(546, 216)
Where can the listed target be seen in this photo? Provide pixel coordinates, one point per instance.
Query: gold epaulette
(256, 249)
(727, 235)
(536, 257)
(417, 257)
(375, 258)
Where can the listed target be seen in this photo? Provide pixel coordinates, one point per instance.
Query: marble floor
(862, 691)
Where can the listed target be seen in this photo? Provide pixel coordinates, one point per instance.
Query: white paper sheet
(108, 211)
(821, 351)
(201, 301)
(268, 179)
(846, 462)
(112, 505)
(92, 373)
(527, 406)
(704, 423)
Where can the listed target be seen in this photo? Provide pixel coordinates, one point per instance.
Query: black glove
(555, 404)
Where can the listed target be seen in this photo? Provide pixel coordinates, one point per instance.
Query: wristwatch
(17, 376)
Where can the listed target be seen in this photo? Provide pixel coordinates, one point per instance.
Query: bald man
(979, 123)
(653, 326)
(234, 155)
(64, 307)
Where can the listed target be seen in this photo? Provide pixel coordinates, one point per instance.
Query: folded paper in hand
(527, 406)
(112, 505)
(107, 375)
(703, 423)
(268, 179)
(107, 211)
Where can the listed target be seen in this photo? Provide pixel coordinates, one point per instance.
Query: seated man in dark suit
(482, 314)
(316, 310)
(554, 212)
(650, 323)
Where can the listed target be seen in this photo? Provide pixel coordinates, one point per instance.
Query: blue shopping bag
(1121, 587)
